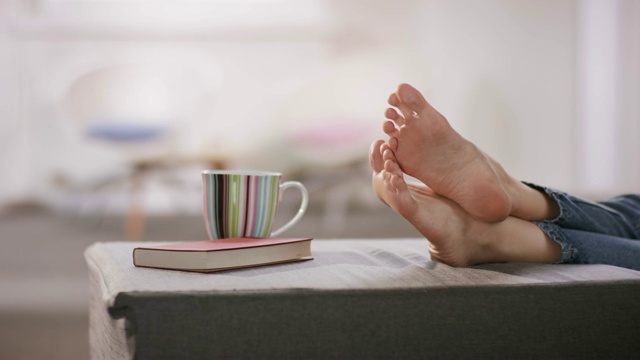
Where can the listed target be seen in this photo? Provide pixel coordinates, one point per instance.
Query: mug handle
(301, 210)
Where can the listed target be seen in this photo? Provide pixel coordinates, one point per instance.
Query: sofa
(361, 299)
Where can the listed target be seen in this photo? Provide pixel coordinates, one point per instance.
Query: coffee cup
(244, 203)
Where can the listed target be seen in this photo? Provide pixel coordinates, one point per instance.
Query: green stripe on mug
(245, 203)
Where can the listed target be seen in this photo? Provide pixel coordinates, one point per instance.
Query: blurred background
(109, 110)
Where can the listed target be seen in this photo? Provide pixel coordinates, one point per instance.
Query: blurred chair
(137, 110)
(332, 161)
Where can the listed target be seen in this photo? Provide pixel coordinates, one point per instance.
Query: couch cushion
(362, 299)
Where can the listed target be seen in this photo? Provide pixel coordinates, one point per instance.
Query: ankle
(481, 243)
(532, 204)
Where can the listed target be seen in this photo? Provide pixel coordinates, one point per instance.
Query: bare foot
(455, 238)
(429, 149)
(442, 222)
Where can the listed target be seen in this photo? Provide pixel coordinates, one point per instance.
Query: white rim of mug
(241, 172)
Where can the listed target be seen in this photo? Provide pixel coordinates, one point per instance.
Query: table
(361, 298)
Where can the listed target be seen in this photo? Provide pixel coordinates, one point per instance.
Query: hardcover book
(223, 254)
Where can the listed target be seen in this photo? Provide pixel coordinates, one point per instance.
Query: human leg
(618, 217)
(428, 148)
(455, 237)
(584, 247)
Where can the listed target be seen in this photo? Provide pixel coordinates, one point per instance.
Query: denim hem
(559, 197)
(551, 228)
(568, 252)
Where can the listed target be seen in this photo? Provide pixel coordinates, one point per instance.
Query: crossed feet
(468, 203)
(455, 238)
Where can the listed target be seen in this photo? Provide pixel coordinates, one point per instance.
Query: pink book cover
(221, 245)
(224, 244)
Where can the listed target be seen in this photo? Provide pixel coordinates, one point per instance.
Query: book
(222, 254)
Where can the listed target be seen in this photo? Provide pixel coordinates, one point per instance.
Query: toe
(384, 147)
(393, 100)
(387, 154)
(375, 156)
(390, 128)
(400, 198)
(393, 143)
(392, 114)
(391, 166)
(412, 100)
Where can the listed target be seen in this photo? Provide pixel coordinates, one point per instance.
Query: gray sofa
(362, 299)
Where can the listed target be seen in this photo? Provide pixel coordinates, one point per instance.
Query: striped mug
(244, 203)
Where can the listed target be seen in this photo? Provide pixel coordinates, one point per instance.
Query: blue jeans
(606, 232)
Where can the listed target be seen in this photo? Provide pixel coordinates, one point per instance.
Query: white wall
(608, 68)
(628, 179)
(15, 146)
(505, 73)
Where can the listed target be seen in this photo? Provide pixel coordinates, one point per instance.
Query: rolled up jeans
(605, 232)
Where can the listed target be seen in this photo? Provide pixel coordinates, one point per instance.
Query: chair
(137, 110)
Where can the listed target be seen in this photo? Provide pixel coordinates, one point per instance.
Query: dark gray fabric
(362, 299)
(503, 322)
